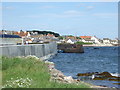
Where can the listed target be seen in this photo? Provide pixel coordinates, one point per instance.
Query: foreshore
(58, 76)
(98, 45)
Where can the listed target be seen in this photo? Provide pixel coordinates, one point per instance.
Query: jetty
(71, 48)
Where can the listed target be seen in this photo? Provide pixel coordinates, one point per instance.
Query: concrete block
(38, 50)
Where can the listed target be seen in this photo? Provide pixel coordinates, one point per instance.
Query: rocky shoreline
(58, 76)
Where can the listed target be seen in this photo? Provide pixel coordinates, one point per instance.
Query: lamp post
(22, 41)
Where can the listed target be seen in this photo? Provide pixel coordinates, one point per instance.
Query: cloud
(90, 7)
(82, 5)
(105, 15)
(0, 8)
(47, 7)
(66, 14)
(8, 8)
(73, 12)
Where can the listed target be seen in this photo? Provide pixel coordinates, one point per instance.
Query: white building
(114, 41)
(87, 40)
(71, 41)
(106, 41)
(96, 40)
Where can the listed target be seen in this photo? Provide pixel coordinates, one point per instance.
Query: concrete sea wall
(39, 50)
(10, 41)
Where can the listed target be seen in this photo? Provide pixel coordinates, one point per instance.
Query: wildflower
(19, 82)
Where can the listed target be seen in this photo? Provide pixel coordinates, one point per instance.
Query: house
(86, 39)
(90, 39)
(96, 40)
(106, 41)
(50, 35)
(71, 41)
(114, 41)
(22, 34)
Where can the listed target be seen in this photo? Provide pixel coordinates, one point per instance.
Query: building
(86, 39)
(71, 41)
(22, 34)
(6, 39)
(106, 41)
(114, 41)
(91, 39)
(96, 40)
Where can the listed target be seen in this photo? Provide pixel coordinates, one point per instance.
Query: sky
(66, 18)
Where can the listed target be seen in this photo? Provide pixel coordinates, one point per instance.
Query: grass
(29, 73)
(83, 43)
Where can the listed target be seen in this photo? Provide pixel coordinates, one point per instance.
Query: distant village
(35, 37)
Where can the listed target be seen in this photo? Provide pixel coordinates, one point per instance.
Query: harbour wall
(10, 41)
(39, 50)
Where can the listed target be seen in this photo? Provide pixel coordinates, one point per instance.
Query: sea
(94, 59)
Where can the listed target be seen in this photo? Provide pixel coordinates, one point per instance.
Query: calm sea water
(104, 59)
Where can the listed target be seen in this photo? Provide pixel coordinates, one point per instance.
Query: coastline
(58, 76)
(99, 45)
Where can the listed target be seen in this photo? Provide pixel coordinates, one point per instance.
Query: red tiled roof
(85, 37)
(50, 35)
(21, 33)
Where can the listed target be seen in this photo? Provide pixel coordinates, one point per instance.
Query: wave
(115, 74)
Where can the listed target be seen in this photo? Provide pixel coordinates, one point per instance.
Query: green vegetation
(45, 32)
(29, 72)
(83, 43)
(78, 37)
(61, 37)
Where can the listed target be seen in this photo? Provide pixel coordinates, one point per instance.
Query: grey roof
(106, 39)
(9, 36)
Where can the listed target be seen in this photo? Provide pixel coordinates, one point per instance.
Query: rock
(114, 80)
(32, 57)
(51, 66)
(54, 74)
(47, 62)
(61, 75)
(69, 79)
(99, 78)
(85, 74)
(59, 79)
(71, 48)
(58, 76)
(78, 80)
(117, 83)
(105, 74)
(55, 71)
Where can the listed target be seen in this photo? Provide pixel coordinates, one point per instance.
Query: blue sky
(70, 18)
